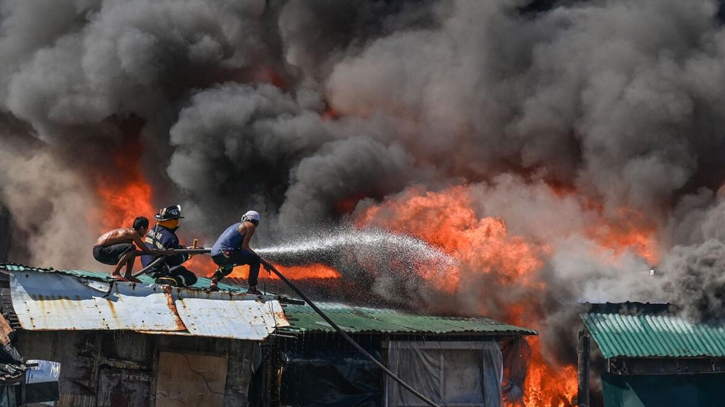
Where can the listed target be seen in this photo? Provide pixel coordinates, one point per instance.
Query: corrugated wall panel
(654, 336)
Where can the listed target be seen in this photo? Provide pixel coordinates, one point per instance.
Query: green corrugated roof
(647, 335)
(201, 283)
(365, 320)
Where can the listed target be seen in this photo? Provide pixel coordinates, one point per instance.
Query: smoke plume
(566, 151)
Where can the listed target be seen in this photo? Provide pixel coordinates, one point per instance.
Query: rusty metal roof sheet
(653, 335)
(54, 301)
(377, 320)
(45, 299)
(230, 319)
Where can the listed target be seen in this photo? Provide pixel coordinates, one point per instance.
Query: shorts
(112, 254)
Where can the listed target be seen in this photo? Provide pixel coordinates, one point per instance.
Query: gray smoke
(305, 110)
(50, 202)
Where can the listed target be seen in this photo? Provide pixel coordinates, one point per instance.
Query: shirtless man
(116, 248)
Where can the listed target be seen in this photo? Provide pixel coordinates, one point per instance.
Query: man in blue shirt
(232, 249)
(163, 237)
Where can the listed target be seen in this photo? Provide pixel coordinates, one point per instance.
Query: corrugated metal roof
(647, 335)
(44, 299)
(47, 299)
(54, 301)
(202, 282)
(303, 318)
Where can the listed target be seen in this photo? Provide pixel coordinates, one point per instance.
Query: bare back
(116, 236)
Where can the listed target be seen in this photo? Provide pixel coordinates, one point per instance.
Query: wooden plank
(5, 330)
(239, 373)
(186, 379)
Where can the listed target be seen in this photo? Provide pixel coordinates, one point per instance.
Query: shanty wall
(122, 368)
(278, 385)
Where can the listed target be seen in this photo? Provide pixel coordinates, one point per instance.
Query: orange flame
(447, 221)
(291, 272)
(630, 231)
(547, 385)
(201, 265)
(124, 197)
(487, 252)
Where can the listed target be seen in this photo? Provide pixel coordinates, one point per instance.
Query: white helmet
(251, 216)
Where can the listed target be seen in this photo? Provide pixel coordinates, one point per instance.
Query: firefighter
(118, 248)
(232, 249)
(163, 237)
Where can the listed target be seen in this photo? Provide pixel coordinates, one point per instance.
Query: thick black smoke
(300, 109)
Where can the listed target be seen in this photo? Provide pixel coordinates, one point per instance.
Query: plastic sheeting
(330, 378)
(516, 356)
(450, 373)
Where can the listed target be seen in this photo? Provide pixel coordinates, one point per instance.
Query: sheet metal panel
(654, 336)
(253, 320)
(52, 301)
(45, 301)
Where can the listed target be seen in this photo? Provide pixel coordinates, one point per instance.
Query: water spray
(370, 248)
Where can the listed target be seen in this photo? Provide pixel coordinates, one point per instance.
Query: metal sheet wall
(90, 360)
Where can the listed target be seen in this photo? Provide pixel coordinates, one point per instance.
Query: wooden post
(583, 369)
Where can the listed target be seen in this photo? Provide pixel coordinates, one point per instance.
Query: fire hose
(324, 316)
(159, 259)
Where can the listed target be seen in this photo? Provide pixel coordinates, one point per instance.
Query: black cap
(168, 213)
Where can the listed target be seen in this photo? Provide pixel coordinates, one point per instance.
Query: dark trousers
(237, 258)
(185, 277)
(180, 274)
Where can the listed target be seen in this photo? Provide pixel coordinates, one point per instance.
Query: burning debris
(556, 156)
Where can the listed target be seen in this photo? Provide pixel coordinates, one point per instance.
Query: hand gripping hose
(347, 337)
